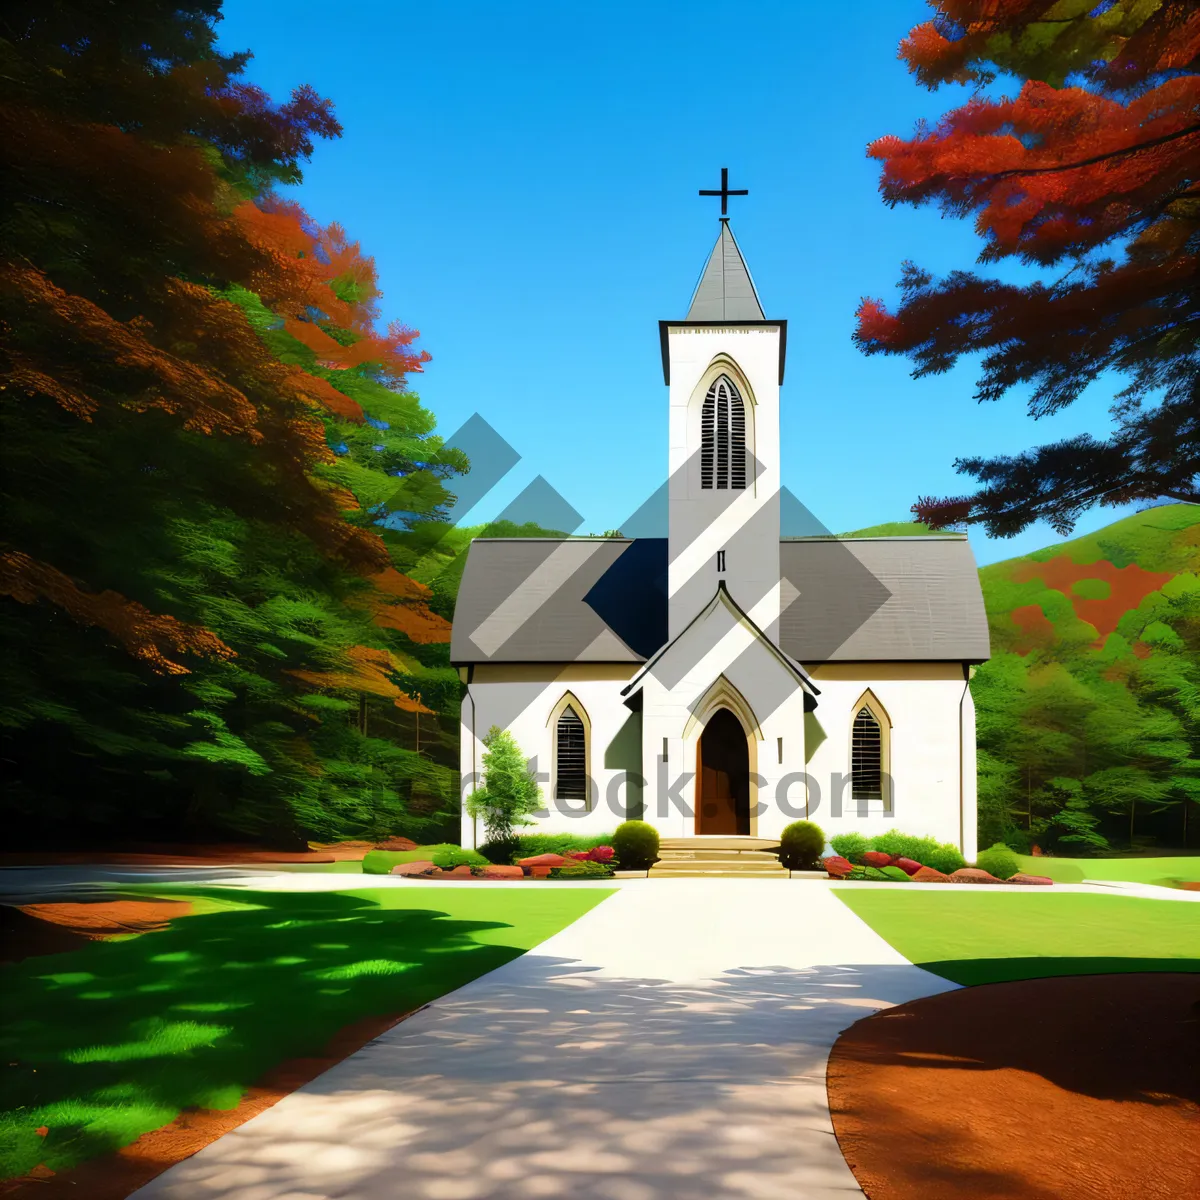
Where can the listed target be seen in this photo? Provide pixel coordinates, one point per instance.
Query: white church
(727, 679)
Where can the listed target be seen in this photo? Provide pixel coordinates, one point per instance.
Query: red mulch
(33, 929)
(1075, 1088)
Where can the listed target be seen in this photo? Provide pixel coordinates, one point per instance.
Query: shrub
(448, 857)
(999, 861)
(896, 874)
(501, 852)
(903, 845)
(526, 845)
(945, 857)
(636, 845)
(800, 845)
(508, 792)
(850, 846)
(582, 870)
(445, 855)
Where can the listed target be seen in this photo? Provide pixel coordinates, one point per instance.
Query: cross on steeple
(725, 193)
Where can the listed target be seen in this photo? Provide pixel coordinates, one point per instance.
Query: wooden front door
(723, 777)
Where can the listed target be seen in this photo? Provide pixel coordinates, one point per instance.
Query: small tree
(508, 792)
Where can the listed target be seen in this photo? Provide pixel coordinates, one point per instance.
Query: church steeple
(725, 291)
(723, 364)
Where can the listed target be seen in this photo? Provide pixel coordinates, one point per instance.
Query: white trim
(722, 694)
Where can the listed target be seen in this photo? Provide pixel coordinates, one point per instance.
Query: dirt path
(1076, 1088)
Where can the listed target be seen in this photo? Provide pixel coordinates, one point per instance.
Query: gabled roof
(722, 596)
(605, 600)
(725, 291)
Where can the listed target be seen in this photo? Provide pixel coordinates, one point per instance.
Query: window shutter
(866, 757)
(707, 436)
(723, 437)
(570, 757)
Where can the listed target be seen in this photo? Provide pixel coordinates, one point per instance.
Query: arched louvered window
(723, 437)
(866, 756)
(570, 757)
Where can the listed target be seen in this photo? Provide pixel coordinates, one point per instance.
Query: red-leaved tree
(1092, 171)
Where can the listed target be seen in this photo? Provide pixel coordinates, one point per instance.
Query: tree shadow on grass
(116, 1038)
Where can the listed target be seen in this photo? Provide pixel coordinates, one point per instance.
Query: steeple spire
(725, 291)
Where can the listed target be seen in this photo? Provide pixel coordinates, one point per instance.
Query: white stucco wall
(522, 699)
(923, 702)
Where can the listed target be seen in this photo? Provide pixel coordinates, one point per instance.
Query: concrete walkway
(670, 1043)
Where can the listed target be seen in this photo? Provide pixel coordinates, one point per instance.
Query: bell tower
(723, 364)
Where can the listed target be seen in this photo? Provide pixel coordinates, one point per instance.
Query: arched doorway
(723, 777)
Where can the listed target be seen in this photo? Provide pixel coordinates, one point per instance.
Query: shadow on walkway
(547, 1078)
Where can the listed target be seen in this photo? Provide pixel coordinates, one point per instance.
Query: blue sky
(525, 176)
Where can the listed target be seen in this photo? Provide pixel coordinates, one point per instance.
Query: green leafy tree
(508, 792)
(1078, 161)
(1090, 737)
(203, 427)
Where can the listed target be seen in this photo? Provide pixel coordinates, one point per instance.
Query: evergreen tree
(508, 792)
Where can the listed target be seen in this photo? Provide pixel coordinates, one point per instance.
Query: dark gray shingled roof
(725, 291)
(604, 600)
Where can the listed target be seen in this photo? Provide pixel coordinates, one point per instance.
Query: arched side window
(723, 437)
(866, 757)
(870, 751)
(570, 754)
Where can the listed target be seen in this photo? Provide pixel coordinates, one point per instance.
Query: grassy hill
(1089, 710)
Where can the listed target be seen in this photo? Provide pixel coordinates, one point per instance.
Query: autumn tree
(202, 423)
(1091, 173)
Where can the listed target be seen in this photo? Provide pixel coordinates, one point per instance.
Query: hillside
(1089, 710)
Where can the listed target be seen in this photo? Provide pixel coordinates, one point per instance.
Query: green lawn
(106, 1042)
(1166, 872)
(983, 936)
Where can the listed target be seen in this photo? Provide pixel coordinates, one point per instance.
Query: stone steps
(719, 842)
(697, 872)
(740, 856)
(718, 857)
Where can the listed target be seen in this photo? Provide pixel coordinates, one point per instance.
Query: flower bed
(582, 864)
(896, 857)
